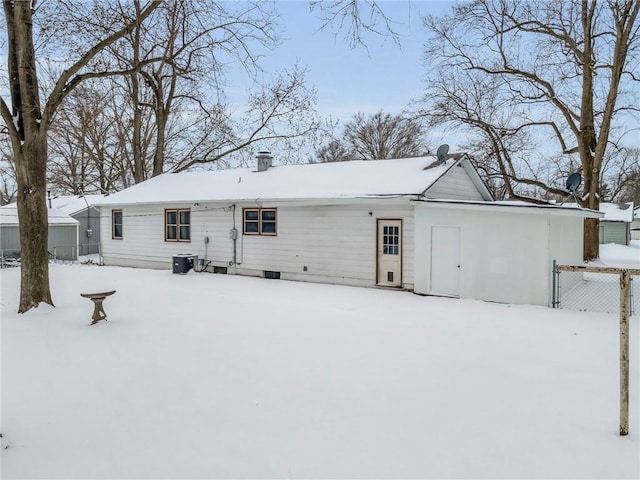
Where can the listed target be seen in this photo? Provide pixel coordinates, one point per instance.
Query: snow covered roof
(336, 180)
(557, 209)
(614, 212)
(9, 216)
(71, 204)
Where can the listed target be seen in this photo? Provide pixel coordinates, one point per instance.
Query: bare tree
(333, 151)
(378, 136)
(620, 175)
(28, 122)
(562, 68)
(8, 187)
(282, 110)
(505, 155)
(355, 18)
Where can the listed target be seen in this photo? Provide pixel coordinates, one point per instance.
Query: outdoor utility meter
(233, 233)
(89, 232)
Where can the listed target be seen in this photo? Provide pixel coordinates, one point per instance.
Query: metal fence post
(554, 286)
(631, 299)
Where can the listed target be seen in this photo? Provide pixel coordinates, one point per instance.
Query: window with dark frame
(177, 225)
(259, 221)
(116, 224)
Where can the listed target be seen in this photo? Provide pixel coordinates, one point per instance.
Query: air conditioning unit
(184, 262)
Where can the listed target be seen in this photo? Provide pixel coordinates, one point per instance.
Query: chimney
(265, 160)
(49, 197)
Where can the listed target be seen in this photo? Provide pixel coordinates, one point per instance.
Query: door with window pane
(389, 253)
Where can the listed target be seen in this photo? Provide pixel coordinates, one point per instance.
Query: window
(390, 240)
(116, 224)
(259, 221)
(177, 225)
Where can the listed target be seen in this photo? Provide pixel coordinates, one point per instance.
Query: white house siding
(62, 240)
(455, 185)
(9, 239)
(505, 256)
(337, 243)
(566, 247)
(635, 229)
(613, 232)
(142, 243)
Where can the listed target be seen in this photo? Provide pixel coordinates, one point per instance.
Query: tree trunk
(33, 215)
(29, 142)
(591, 238)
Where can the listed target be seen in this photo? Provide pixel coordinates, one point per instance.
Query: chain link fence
(57, 253)
(593, 291)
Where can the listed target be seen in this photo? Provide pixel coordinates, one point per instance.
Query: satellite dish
(442, 152)
(573, 182)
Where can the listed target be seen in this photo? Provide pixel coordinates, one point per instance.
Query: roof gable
(614, 212)
(71, 204)
(338, 180)
(460, 183)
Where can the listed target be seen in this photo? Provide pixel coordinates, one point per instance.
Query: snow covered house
(82, 208)
(417, 223)
(63, 233)
(615, 227)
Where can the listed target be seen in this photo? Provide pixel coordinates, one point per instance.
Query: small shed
(63, 234)
(83, 208)
(615, 227)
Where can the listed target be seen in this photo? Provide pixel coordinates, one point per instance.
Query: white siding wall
(567, 246)
(504, 256)
(336, 243)
(613, 232)
(455, 185)
(635, 230)
(142, 243)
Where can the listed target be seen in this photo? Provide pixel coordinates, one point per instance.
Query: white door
(445, 261)
(390, 253)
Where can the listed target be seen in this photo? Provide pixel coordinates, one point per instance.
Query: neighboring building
(615, 227)
(81, 207)
(419, 224)
(63, 234)
(635, 224)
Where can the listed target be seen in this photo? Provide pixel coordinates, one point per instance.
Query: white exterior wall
(455, 185)
(613, 232)
(635, 229)
(337, 243)
(504, 256)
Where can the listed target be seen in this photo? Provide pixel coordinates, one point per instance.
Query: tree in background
(8, 187)
(564, 69)
(378, 136)
(621, 176)
(27, 122)
(173, 114)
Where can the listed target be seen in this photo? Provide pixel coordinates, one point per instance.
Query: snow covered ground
(215, 376)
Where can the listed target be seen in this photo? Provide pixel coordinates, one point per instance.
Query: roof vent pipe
(265, 160)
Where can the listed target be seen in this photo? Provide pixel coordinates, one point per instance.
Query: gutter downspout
(234, 237)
